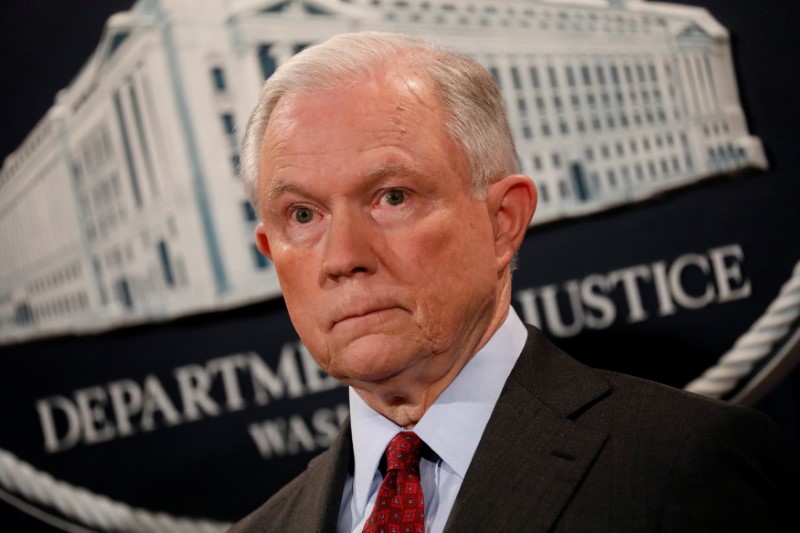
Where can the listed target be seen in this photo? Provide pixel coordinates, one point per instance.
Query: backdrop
(199, 406)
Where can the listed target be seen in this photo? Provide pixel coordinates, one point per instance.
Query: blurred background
(148, 357)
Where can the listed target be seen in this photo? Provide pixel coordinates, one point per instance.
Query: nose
(349, 246)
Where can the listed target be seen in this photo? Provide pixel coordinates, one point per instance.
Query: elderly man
(384, 175)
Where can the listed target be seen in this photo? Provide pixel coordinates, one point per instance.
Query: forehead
(384, 115)
(380, 100)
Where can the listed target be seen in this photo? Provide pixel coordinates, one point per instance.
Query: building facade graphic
(122, 204)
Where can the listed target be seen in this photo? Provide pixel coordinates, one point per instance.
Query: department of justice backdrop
(151, 378)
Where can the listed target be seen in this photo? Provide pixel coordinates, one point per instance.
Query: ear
(511, 201)
(262, 243)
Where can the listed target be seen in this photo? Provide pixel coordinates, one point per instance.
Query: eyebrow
(387, 171)
(283, 187)
(381, 172)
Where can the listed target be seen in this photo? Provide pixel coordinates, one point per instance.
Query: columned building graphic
(122, 205)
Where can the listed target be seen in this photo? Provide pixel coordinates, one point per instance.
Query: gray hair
(472, 105)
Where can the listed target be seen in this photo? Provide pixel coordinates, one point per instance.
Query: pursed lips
(361, 312)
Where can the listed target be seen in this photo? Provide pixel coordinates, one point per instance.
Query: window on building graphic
(556, 160)
(229, 127)
(544, 194)
(496, 75)
(651, 167)
(581, 125)
(526, 131)
(615, 74)
(314, 10)
(228, 124)
(551, 74)
(116, 41)
(639, 172)
(277, 8)
(268, 63)
(535, 77)
(570, 77)
(521, 106)
(218, 76)
(605, 151)
(515, 79)
(537, 162)
(249, 212)
(587, 77)
(124, 293)
(612, 178)
(260, 261)
(299, 47)
(540, 103)
(628, 74)
(589, 153)
(166, 263)
(601, 74)
(546, 130)
(563, 189)
(235, 163)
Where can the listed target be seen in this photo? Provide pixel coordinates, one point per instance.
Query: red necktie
(399, 506)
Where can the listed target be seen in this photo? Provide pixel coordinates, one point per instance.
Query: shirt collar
(452, 427)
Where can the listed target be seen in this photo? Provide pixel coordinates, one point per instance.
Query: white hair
(473, 108)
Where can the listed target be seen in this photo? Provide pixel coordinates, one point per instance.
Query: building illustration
(122, 205)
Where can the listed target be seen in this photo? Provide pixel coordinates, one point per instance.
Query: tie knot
(403, 452)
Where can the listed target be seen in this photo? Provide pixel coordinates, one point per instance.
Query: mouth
(373, 314)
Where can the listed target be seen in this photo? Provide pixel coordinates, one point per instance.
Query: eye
(395, 197)
(303, 215)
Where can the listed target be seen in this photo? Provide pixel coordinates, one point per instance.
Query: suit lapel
(318, 506)
(533, 454)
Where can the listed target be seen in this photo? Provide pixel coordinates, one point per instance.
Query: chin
(370, 359)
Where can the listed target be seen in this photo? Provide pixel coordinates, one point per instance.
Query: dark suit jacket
(570, 448)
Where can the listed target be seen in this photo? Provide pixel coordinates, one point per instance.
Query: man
(384, 174)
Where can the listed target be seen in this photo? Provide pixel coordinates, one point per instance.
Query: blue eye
(395, 197)
(303, 215)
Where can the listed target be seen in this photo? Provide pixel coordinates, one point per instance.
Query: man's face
(386, 259)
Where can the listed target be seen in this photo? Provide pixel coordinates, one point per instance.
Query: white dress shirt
(452, 427)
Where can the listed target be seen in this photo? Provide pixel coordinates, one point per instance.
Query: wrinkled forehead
(403, 96)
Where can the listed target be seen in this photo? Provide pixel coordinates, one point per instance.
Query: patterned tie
(399, 506)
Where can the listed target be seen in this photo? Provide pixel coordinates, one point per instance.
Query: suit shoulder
(275, 513)
(271, 512)
(678, 411)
